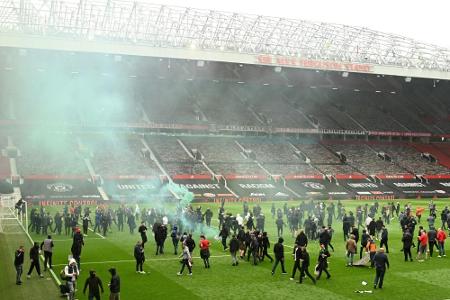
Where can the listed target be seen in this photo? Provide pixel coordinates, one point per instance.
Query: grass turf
(404, 280)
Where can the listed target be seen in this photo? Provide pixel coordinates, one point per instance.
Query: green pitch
(404, 280)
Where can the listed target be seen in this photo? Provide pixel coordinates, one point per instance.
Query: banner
(414, 189)
(318, 189)
(64, 189)
(135, 189)
(292, 61)
(259, 189)
(367, 190)
(205, 190)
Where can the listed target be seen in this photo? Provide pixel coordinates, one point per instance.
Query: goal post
(13, 217)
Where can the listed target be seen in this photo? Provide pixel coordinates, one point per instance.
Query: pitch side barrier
(204, 188)
(317, 188)
(258, 188)
(138, 188)
(55, 188)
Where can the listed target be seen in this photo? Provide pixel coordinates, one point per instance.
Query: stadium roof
(149, 29)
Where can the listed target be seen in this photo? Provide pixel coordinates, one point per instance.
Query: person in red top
(423, 242)
(441, 237)
(204, 251)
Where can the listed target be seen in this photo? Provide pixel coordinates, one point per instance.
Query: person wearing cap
(18, 263)
(139, 256)
(34, 259)
(278, 250)
(71, 272)
(114, 285)
(322, 263)
(95, 285)
(381, 261)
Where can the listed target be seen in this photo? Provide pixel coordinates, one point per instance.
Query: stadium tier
(117, 127)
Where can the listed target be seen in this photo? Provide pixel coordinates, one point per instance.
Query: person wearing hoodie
(305, 266)
(95, 285)
(71, 273)
(278, 250)
(139, 256)
(114, 285)
(407, 243)
(34, 259)
(234, 247)
(322, 261)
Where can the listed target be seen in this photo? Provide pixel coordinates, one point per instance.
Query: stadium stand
(365, 159)
(49, 155)
(115, 156)
(410, 159)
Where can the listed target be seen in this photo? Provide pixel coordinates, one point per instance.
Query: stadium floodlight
(377, 91)
(356, 90)
(345, 74)
(408, 79)
(277, 69)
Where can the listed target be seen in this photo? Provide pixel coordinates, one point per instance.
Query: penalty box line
(146, 260)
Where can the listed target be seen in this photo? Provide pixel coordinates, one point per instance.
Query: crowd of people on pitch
(244, 236)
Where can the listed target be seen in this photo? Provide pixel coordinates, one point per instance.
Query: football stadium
(162, 152)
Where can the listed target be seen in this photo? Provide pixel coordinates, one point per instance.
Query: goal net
(13, 218)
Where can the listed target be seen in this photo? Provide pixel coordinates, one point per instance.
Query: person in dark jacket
(190, 243)
(34, 259)
(301, 240)
(234, 247)
(297, 253)
(354, 231)
(322, 261)
(432, 240)
(139, 256)
(224, 235)
(305, 265)
(77, 245)
(265, 246)
(384, 238)
(143, 231)
(381, 261)
(175, 235)
(253, 249)
(407, 240)
(18, 264)
(278, 250)
(364, 239)
(114, 285)
(95, 285)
